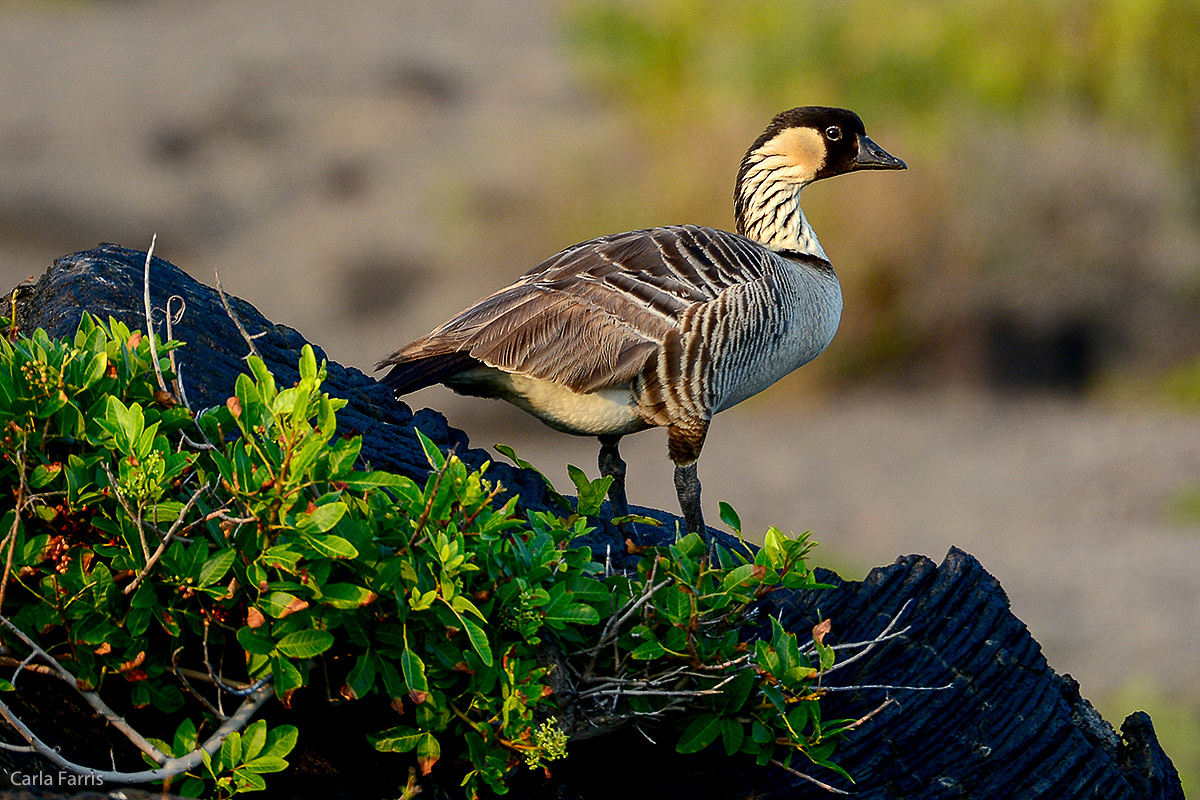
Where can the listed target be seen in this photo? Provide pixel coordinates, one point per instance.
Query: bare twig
(162, 384)
(167, 538)
(134, 514)
(620, 692)
(228, 310)
(238, 691)
(169, 320)
(885, 635)
(11, 538)
(23, 666)
(169, 767)
(809, 778)
(93, 699)
(871, 714)
(885, 687)
(182, 675)
(19, 748)
(621, 616)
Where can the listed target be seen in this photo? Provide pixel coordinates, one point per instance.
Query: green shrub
(148, 544)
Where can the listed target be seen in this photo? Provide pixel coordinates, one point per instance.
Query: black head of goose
(663, 326)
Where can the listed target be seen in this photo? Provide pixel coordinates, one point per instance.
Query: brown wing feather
(593, 315)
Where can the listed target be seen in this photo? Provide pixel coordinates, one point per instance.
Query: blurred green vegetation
(1054, 153)
(919, 65)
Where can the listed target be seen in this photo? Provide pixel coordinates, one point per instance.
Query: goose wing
(589, 317)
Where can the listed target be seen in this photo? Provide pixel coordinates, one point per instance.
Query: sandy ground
(352, 170)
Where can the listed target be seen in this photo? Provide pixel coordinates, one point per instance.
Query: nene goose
(664, 326)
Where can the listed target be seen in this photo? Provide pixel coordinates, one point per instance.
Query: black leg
(684, 440)
(687, 486)
(612, 465)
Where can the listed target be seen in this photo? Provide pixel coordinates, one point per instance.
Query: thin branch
(183, 678)
(162, 384)
(871, 714)
(11, 538)
(237, 691)
(19, 748)
(615, 622)
(167, 538)
(809, 778)
(135, 515)
(619, 692)
(23, 666)
(225, 301)
(11, 541)
(170, 320)
(884, 636)
(93, 699)
(885, 687)
(170, 767)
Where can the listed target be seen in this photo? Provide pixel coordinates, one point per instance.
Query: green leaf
(361, 481)
(797, 718)
(460, 603)
(254, 738)
(428, 752)
(331, 546)
(265, 765)
(215, 568)
(737, 691)
(399, 739)
(95, 370)
(732, 735)
(231, 751)
(735, 577)
(280, 604)
(43, 474)
(826, 655)
(281, 556)
(479, 640)
(185, 738)
(647, 651)
(574, 613)
(699, 734)
(413, 670)
(266, 381)
(674, 604)
(361, 677)
(511, 454)
(287, 678)
(729, 516)
(588, 589)
(256, 640)
(432, 454)
(591, 493)
(308, 364)
(344, 595)
(305, 644)
(760, 733)
(327, 516)
(280, 741)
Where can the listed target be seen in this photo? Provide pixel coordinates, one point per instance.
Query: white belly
(608, 411)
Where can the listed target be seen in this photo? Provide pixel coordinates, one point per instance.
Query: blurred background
(1018, 367)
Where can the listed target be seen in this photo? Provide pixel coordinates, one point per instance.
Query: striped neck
(768, 210)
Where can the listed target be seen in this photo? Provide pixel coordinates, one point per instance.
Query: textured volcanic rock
(976, 712)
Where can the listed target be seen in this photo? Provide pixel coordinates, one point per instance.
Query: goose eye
(833, 133)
